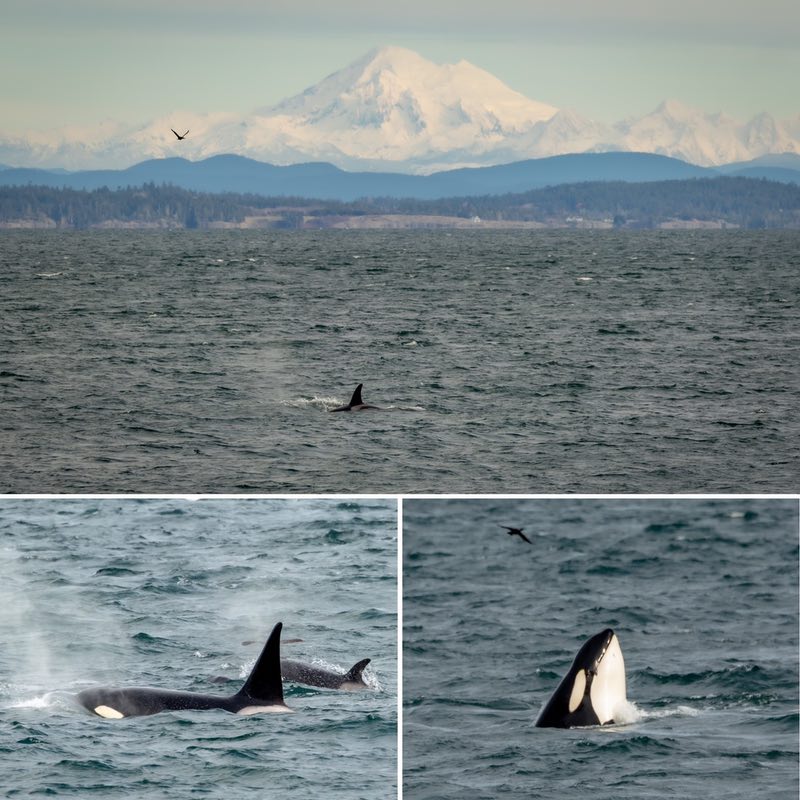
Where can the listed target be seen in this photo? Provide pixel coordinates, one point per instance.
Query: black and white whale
(311, 675)
(356, 403)
(261, 692)
(593, 690)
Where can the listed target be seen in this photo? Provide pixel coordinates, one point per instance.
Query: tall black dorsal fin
(264, 681)
(355, 671)
(356, 400)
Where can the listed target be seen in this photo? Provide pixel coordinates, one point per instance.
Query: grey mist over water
(507, 361)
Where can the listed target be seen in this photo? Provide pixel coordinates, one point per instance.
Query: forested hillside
(739, 202)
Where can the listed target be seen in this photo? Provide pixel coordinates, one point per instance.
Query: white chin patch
(247, 710)
(108, 713)
(608, 692)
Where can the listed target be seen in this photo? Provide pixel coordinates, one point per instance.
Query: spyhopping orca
(594, 688)
(300, 672)
(180, 138)
(517, 532)
(262, 691)
(356, 403)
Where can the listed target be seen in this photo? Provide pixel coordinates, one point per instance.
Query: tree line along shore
(724, 202)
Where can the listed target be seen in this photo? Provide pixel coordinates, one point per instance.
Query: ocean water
(703, 595)
(174, 593)
(509, 361)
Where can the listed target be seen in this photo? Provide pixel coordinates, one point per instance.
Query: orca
(356, 403)
(300, 672)
(593, 689)
(261, 692)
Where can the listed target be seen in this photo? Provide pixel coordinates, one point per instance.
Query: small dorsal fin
(264, 681)
(355, 671)
(356, 400)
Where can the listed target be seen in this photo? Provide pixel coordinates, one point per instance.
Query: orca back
(262, 691)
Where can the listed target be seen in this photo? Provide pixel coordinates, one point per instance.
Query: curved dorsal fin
(355, 671)
(356, 400)
(264, 681)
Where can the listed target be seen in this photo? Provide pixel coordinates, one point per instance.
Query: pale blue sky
(82, 61)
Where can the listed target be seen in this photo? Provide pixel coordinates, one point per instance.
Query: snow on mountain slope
(395, 110)
(393, 107)
(397, 91)
(707, 139)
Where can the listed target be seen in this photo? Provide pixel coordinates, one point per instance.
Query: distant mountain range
(231, 173)
(395, 111)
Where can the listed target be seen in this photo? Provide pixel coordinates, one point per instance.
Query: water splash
(322, 403)
(677, 711)
(48, 701)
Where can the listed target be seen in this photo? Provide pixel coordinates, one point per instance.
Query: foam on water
(49, 701)
(324, 403)
(662, 713)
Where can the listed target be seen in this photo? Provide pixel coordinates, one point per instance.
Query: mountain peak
(394, 109)
(391, 56)
(675, 110)
(389, 72)
(398, 105)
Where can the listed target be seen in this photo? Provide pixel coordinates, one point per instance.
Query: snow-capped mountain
(707, 139)
(395, 110)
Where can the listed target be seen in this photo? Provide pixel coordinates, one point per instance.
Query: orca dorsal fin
(355, 671)
(264, 682)
(356, 400)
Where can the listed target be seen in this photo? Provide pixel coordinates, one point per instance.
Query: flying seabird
(178, 135)
(517, 532)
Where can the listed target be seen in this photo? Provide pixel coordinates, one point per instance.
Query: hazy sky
(83, 61)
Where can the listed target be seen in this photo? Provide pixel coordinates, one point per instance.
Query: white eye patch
(578, 688)
(108, 713)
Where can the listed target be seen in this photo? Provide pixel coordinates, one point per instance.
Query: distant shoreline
(691, 204)
(382, 222)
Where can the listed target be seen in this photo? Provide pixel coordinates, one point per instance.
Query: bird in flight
(178, 135)
(517, 532)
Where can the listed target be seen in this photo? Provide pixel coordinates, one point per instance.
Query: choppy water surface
(174, 594)
(703, 595)
(510, 362)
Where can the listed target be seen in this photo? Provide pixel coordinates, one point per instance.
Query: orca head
(593, 690)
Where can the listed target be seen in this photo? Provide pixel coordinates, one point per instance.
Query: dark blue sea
(505, 361)
(703, 595)
(176, 593)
